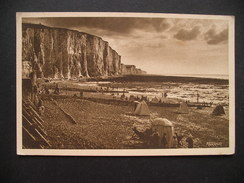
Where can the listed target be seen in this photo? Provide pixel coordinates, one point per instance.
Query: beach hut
(183, 109)
(142, 109)
(219, 110)
(163, 126)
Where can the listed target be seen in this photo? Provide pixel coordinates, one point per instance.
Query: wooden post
(197, 97)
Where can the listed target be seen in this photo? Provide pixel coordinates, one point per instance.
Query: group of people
(157, 142)
(161, 142)
(164, 140)
(134, 98)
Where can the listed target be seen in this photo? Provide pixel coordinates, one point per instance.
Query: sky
(164, 46)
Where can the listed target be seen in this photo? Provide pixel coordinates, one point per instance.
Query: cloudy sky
(157, 45)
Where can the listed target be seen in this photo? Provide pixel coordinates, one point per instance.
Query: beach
(109, 126)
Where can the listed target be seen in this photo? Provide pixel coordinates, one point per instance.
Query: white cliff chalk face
(130, 69)
(63, 53)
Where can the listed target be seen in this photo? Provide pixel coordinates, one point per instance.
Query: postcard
(125, 84)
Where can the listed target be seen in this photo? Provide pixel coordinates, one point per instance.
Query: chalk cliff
(130, 70)
(64, 53)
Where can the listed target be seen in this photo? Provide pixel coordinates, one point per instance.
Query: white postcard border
(124, 152)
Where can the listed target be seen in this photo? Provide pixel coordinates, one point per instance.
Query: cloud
(187, 35)
(151, 43)
(113, 25)
(160, 24)
(216, 38)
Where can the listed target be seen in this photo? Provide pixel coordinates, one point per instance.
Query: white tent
(164, 126)
(142, 109)
(183, 109)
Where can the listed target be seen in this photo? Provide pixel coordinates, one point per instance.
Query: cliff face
(130, 70)
(63, 53)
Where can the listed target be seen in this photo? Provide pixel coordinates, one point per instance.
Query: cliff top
(129, 66)
(41, 26)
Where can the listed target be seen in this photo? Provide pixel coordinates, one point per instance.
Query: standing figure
(81, 94)
(56, 91)
(155, 140)
(179, 138)
(41, 107)
(135, 104)
(175, 142)
(34, 89)
(165, 95)
(197, 97)
(164, 141)
(190, 142)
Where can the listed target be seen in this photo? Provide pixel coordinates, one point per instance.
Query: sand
(110, 126)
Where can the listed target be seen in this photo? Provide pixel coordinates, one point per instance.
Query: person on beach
(56, 91)
(164, 141)
(36, 101)
(198, 97)
(34, 89)
(137, 98)
(81, 94)
(136, 104)
(165, 94)
(179, 138)
(190, 142)
(155, 140)
(123, 91)
(175, 142)
(122, 96)
(41, 107)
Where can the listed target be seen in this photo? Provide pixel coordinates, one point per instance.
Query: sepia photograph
(125, 84)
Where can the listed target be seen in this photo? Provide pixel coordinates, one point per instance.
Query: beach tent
(219, 110)
(142, 109)
(164, 126)
(183, 109)
(155, 100)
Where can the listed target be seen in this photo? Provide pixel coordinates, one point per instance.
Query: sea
(192, 92)
(202, 88)
(209, 92)
(212, 76)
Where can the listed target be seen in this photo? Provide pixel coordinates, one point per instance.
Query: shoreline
(158, 78)
(146, 78)
(210, 91)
